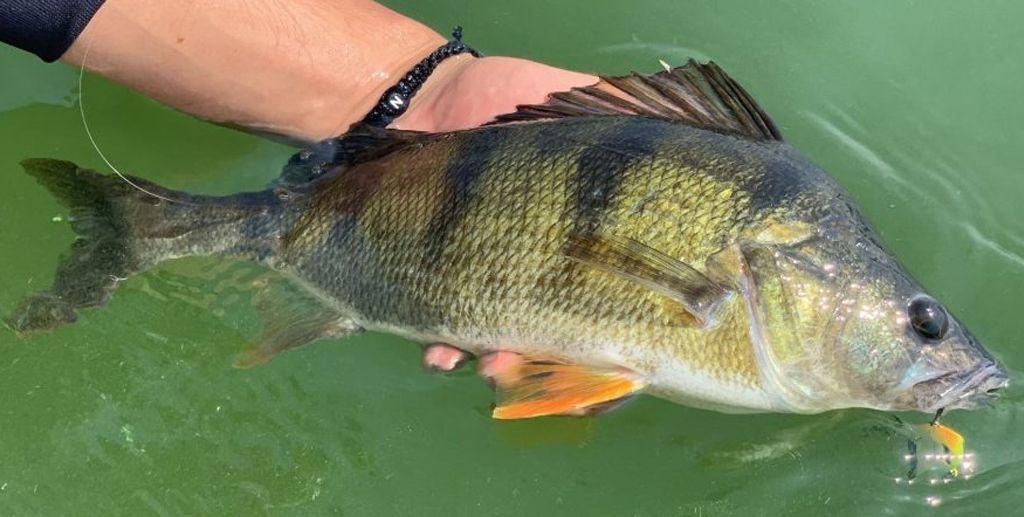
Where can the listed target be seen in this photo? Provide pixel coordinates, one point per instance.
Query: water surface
(913, 106)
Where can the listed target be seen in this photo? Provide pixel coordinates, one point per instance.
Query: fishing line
(88, 132)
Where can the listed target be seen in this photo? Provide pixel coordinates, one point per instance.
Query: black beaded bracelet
(396, 99)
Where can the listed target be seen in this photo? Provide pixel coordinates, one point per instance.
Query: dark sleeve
(45, 28)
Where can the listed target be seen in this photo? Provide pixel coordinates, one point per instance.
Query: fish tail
(125, 226)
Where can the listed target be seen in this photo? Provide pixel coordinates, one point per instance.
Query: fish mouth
(956, 390)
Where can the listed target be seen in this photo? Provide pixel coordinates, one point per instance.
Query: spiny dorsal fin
(361, 143)
(697, 94)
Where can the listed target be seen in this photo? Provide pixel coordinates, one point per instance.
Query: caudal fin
(100, 256)
(122, 228)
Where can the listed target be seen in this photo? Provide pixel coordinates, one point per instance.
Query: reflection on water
(888, 177)
(992, 245)
(669, 52)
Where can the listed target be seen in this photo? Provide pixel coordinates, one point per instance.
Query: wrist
(337, 109)
(423, 113)
(468, 92)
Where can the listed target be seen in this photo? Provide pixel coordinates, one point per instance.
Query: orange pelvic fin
(536, 387)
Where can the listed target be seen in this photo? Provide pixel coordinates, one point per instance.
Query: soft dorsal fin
(697, 94)
(361, 143)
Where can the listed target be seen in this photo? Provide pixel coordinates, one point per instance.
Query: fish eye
(927, 317)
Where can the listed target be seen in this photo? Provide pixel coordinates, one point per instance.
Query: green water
(135, 410)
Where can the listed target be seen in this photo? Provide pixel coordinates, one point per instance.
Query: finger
(500, 367)
(442, 358)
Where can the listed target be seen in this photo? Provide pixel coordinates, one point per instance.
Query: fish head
(837, 322)
(904, 350)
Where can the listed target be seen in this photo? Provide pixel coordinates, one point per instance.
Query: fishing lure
(952, 444)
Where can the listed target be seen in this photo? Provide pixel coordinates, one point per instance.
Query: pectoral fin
(538, 387)
(650, 268)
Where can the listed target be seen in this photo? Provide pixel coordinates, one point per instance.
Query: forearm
(305, 69)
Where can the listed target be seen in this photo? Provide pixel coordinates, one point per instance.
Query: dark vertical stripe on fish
(549, 139)
(358, 185)
(344, 197)
(601, 167)
(463, 181)
(609, 151)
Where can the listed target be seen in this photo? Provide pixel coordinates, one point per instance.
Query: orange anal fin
(541, 388)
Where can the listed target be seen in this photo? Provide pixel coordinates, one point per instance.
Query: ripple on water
(991, 245)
